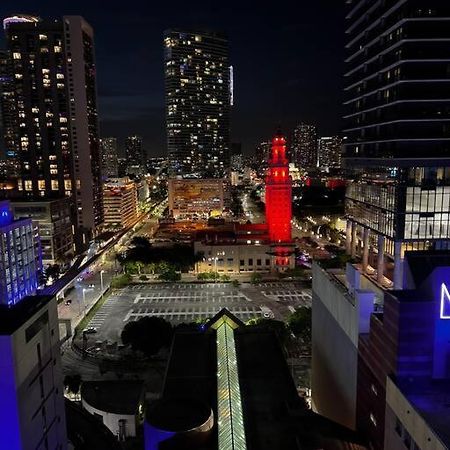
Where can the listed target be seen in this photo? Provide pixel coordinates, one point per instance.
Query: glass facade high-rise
(110, 163)
(330, 152)
(304, 146)
(198, 97)
(397, 122)
(8, 124)
(136, 156)
(53, 71)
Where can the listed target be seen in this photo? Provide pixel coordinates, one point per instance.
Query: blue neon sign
(445, 302)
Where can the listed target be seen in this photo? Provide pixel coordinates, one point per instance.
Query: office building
(120, 202)
(122, 167)
(52, 219)
(380, 357)
(135, 155)
(110, 163)
(53, 69)
(195, 198)
(21, 260)
(398, 146)
(330, 152)
(304, 146)
(262, 153)
(157, 164)
(32, 412)
(8, 122)
(197, 77)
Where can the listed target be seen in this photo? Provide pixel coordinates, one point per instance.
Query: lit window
(17, 55)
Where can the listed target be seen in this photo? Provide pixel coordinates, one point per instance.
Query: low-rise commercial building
(234, 258)
(120, 203)
(193, 199)
(52, 218)
(238, 248)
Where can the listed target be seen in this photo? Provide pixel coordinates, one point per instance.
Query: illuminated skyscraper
(53, 69)
(304, 146)
(397, 122)
(110, 163)
(198, 99)
(330, 151)
(262, 153)
(8, 118)
(136, 156)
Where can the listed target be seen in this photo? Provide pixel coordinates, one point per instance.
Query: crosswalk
(107, 308)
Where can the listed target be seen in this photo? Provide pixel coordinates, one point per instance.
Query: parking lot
(189, 302)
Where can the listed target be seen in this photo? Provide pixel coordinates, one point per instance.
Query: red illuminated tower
(279, 202)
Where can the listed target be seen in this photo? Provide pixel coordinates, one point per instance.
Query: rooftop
(273, 415)
(431, 399)
(13, 317)
(115, 396)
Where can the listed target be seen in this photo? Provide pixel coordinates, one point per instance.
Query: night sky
(287, 59)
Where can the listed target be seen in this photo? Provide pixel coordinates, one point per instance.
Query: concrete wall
(31, 391)
(230, 257)
(112, 420)
(335, 330)
(398, 407)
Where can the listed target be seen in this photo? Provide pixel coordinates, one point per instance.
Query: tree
(121, 281)
(148, 334)
(300, 323)
(256, 277)
(169, 273)
(279, 328)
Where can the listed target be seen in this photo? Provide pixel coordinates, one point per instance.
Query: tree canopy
(148, 334)
(142, 255)
(300, 323)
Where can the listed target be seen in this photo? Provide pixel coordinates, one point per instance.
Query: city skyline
(132, 101)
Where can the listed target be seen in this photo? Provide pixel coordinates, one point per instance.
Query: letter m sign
(445, 302)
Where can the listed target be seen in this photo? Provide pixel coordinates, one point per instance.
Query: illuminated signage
(445, 302)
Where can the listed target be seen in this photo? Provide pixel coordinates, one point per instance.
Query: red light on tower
(279, 193)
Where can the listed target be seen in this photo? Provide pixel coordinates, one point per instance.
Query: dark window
(406, 438)
(258, 262)
(250, 262)
(36, 326)
(398, 427)
(241, 262)
(267, 262)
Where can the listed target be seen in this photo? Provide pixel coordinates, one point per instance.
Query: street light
(101, 281)
(84, 298)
